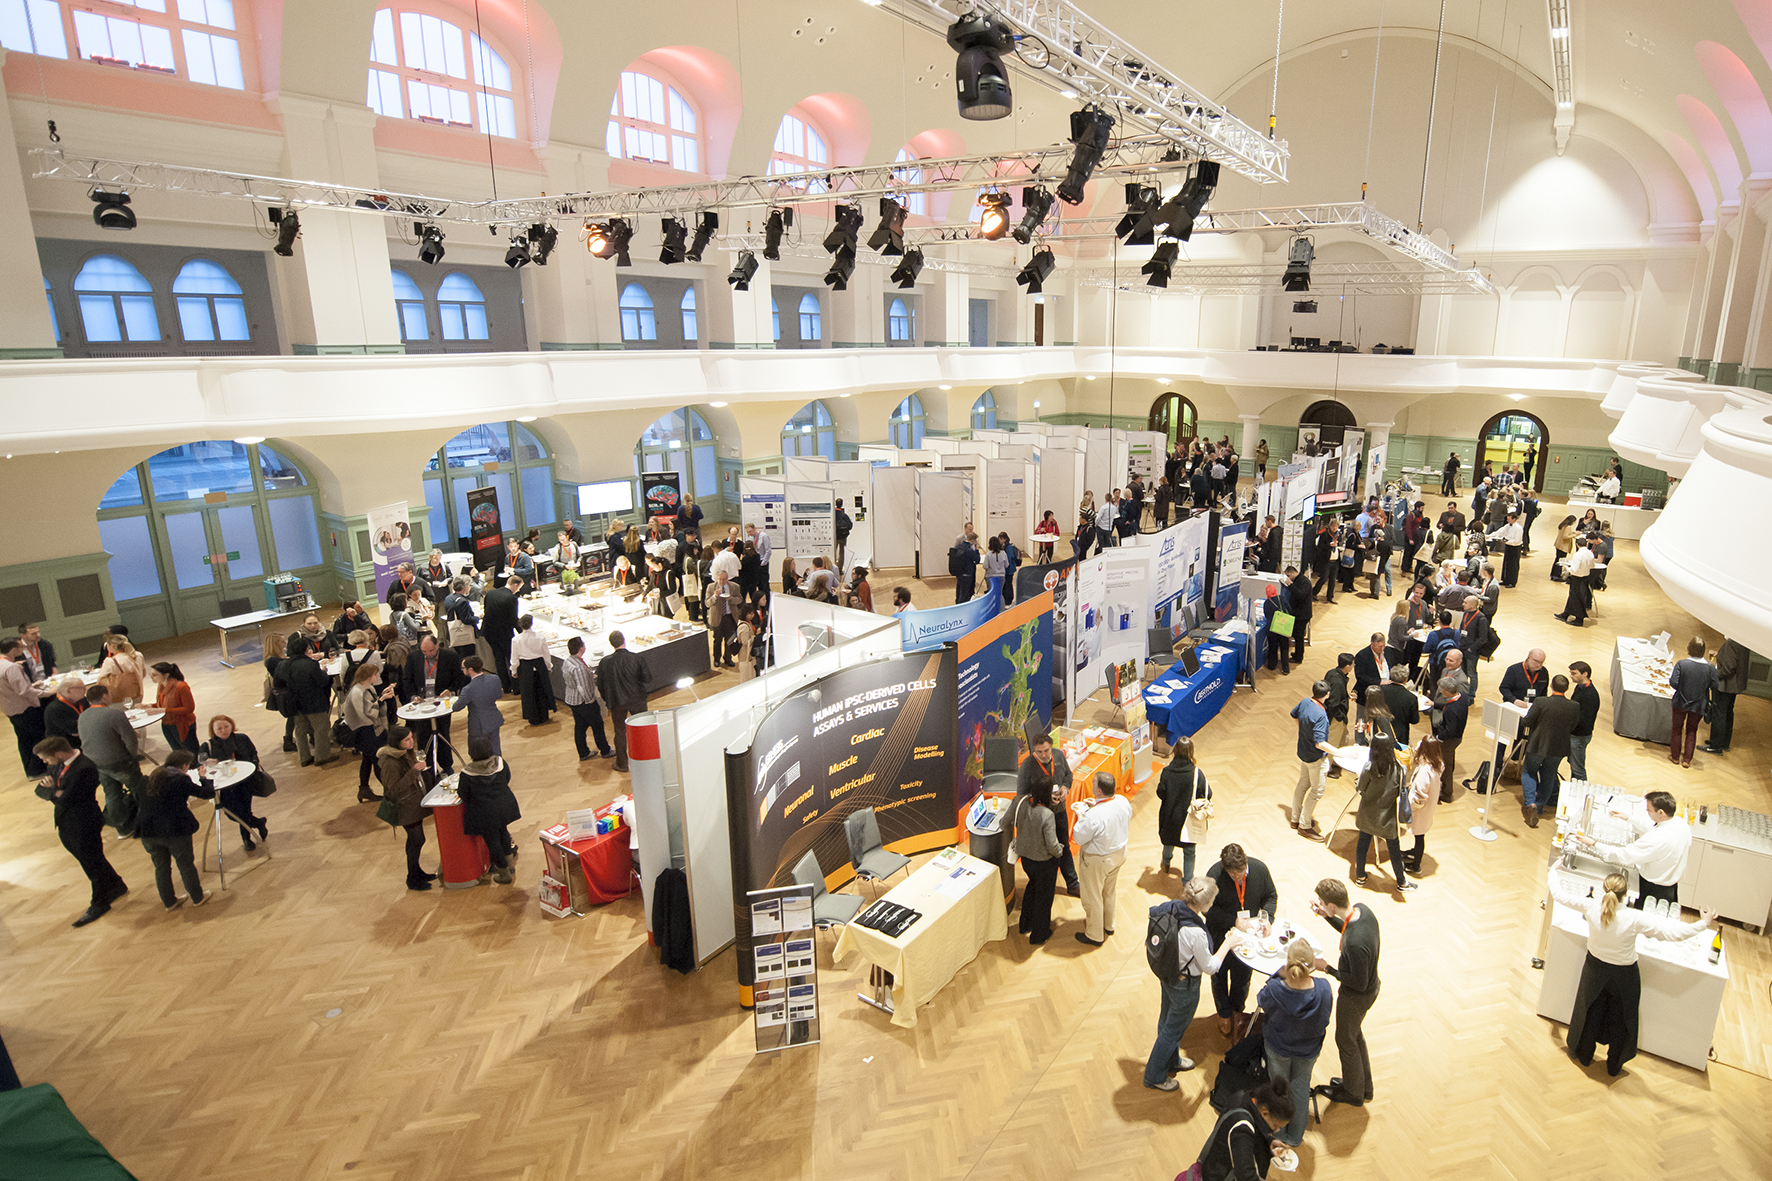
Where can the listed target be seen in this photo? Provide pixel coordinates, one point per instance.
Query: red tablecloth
(607, 864)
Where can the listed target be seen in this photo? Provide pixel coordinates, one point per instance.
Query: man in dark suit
(1299, 593)
(1548, 725)
(1371, 670)
(1474, 634)
(1451, 521)
(61, 713)
(498, 623)
(1405, 707)
(432, 671)
(79, 822)
(624, 681)
(39, 658)
(1246, 897)
(1453, 706)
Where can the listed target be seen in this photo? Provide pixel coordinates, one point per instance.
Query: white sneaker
(1167, 1084)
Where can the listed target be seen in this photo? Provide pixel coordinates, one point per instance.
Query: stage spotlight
(993, 223)
(743, 271)
(779, 221)
(541, 242)
(1161, 263)
(110, 211)
(842, 266)
(1141, 209)
(705, 225)
(430, 243)
(1178, 213)
(1036, 272)
(846, 230)
(518, 254)
(288, 226)
(1298, 265)
(1089, 132)
(980, 78)
(1037, 203)
(676, 241)
(905, 274)
(610, 240)
(888, 236)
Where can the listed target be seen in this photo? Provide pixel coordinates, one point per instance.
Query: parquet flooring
(317, 1020)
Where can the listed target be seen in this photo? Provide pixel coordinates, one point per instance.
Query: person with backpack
(845, 526)
(963, 565)
(1182, 790)
(1178, 948)
(1242, 1144)
(1298, 1004)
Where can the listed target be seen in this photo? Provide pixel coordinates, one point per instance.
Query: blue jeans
(1180, 999)
(1187, 859)
(1103, 538)
(1538, 781)
(1296, 1074)
(1384, 568)
(1578, 755)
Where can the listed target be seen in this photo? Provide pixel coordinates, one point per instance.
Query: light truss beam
(1562, 38)
(1374, 278)
(1067, 50)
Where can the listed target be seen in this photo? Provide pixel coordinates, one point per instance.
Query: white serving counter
(672, 649)
(1627, 521)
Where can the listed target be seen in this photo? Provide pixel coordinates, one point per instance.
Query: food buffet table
(1642, 703)
(671, 649)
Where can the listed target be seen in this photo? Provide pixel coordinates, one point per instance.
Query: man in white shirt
(727, 560)
(1104, 521)
(1512, 536)
(1100, 832)
(1576, 569)
(1659, 852)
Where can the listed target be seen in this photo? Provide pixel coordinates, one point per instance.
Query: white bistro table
(227, 773)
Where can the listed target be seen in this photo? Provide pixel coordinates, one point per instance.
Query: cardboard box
(553, 896)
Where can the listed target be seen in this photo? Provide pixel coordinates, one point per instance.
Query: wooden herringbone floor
(316, 1020)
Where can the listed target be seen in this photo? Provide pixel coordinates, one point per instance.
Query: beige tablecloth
(946, 939)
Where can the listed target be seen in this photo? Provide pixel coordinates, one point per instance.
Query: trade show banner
(660, 494)
(1005, 685)
(1090, 625)
(1058, 581)
(881, 736)
(1375, 469)
(929, 629)
(485, 532)
(1127, 606)
(390, 543)
(1176, 564)
(1231, 539)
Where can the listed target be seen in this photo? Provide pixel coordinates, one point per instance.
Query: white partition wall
(941, 444)
(802, 626)
(1098, 464)
(1009, 501)
(895, 516)
(877, 453)
(941, 514)
(763, 503)
(812, 526)
(919, 457)
(853, 482)
(976, 446)
(972, 467)
(814, 469)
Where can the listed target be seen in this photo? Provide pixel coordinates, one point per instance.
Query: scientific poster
(660, 494)
(390, 544)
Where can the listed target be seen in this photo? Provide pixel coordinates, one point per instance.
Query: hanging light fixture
(110, 211)
(888, 236)
(705, 225)
(288, 228)
(981, 80)
(993, 223)
(1038, 269)
(1089, 133)
(676, 241)
(743, 271)
(1036, 203)
(905, 274)
(430, 243)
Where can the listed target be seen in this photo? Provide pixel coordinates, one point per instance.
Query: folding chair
(872, 860)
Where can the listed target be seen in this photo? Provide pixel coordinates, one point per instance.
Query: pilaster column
(25, 328)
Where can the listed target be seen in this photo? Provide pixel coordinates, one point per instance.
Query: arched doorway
(1331, 420)
(1175, 418)
(1511, 438)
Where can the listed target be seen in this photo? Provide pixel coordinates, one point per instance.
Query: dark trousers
(1449, 484)
(1722, 727)
(88, 848)
(1350, 1040)
(965, 588)
(163, 851)
(1685, 734)
(1299, 628)
(28, 725)
(1647, 889)
(1279, 650)
(499, 846)
(1575, 609)
(237, 802)
(415, 841)
(501, 656)
(1449, 752)
(588, 716)
(1510, 565)
(1036, 899)
(1230, 984)
(618, 721)
(1363, 846)
(189, 742)
(423, 728)
(1538, 781)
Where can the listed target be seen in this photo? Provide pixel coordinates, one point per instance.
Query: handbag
(674, 603)
(460, 634)
(264, 785)
(388, 812)
(1282, 624)
(1199, 812)
(342, 734)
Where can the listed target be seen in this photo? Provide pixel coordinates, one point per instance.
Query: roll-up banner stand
(1005, 685)
(660, 494)
(1089, 622)
(1057, 580)
(881, 735)
(485, 532)
(853, 482)
(763, 502)
(1231, 540)
(390, 543)
(812, 524)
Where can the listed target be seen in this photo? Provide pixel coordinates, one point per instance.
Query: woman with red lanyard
(1046, 533)
(180, 723)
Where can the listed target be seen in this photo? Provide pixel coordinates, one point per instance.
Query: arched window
(116, 301)
(1332, 420)
(461, 309)
(198, 40)
(899, 323)
(431, 70)
(210, 306)
(1175, 418)
(774, 318)
(687, 307)
(162, 525)
(507, 456)
(409, 302)
(811, 320)
(681, 442)
(55, 326)
(905, 427)
(984, 412)
(800, 147)
(638, 321)
(914, 203)
(810, 432)
(649, 119)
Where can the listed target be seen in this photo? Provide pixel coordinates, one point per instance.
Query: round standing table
(227, 774)
(464, 859)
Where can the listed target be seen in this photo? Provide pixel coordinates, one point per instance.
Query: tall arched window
(55, 325)
(1331, 418)
(914, 203)
(210, 306)
(810, 432)
(984, 412)
(774, 319)
(682, 442)
(507, 456)
(461, 309)
(649, 119)
(409, 302)
(638, 321)
(687, 307)
(432, 70)
(1175, 417)
(162, 525)
(905, 427)
(800, 147)
(116, 301)
(811, 320)
(198, 40)
(899, 323)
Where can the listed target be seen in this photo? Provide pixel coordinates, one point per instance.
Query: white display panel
(895, 517)
(610, 496)
(941, 514)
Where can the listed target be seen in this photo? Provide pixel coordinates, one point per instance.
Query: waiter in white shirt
(1576, 569)
(1512, 536)
(1658, 853)
(1101, 831)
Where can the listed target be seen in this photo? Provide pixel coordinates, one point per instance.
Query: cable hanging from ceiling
(1433, 100)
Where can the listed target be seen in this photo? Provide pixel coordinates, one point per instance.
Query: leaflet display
(785, 997)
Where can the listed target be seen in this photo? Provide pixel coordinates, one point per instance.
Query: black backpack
(1243, 1071)
(1162, 940)
(957, 561)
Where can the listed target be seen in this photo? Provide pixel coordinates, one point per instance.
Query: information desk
(1628, 521)
(949, 936)
(1642, 703)
(464, 859)
(670, 649)
(1182, 705)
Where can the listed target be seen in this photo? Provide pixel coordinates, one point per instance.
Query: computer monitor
(1313, 342)
(610, 496)
(1190, 663)
(1298, 342)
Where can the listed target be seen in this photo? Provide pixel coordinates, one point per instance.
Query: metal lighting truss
(1563, 70)
(1377, 277)
(1067, 50)
(931, 262)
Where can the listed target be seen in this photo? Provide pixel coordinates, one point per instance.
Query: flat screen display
(611, 496)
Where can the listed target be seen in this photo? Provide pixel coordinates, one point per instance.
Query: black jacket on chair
(671, 921)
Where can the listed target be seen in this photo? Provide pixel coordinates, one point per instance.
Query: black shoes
(289, 745)
(93, 914)
(417, 884)
(1082, 938)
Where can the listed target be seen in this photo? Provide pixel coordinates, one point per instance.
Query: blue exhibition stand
(1193, 701)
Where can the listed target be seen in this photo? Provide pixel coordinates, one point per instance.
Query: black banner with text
(485, 529)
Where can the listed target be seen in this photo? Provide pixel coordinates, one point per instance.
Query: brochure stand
(785, 997)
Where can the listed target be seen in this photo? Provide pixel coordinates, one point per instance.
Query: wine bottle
(1716, 947)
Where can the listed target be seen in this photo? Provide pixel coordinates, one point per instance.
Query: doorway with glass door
(217, 557)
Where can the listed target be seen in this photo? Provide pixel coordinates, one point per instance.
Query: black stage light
(1178, 213)
(430, 243)
(1141, 209)
(743, 271)
(288, 226)
(1036, 272)
(1037, 203)
(846, 229)
(541, 242)
(1304, 307)
(842, 266)
(1298, 265)
(518, 254)
(1161, 263)
(888, 236)
(676, 241)
(993, 223)
(905, 274)
(1089, 132)
(705, 225)
(610, 240)
(980, 78)
(110, 211)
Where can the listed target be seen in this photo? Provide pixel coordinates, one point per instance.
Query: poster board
(940, 515)
(1126, 614)
(1089, 624)
(1098, 466)
(1008, 500)
(894, 517)
(1145, 455)
(763, 502)
(812, 523)
(660, 494)
(853, 483)
(973, 468)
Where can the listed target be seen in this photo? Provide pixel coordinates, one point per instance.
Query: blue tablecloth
(1193, 701)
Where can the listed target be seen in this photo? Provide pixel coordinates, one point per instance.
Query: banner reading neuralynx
(880, 736)
(924, 630)
(485, 533)
(1005, 685)
(390, 543)
(660, 494)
